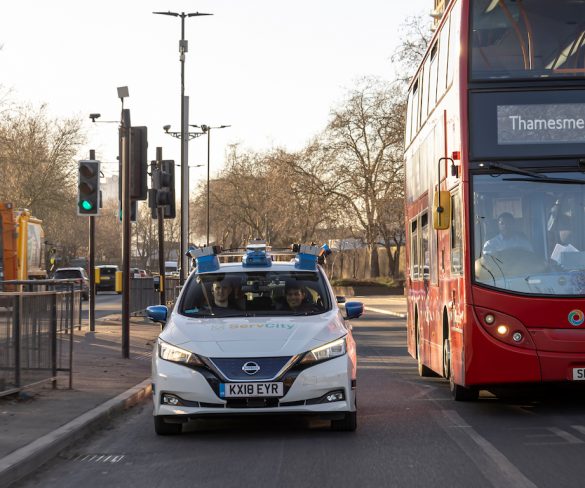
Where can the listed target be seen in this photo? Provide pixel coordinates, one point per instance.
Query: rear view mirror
(353, 310)
(441, 210)
(157, 313)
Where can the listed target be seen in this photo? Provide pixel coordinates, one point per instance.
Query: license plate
(105, 278)
(245, 390)
(579, 374)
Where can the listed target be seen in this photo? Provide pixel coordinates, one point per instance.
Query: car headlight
(175, 354)
(326, 351)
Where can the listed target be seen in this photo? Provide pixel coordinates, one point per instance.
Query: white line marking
(386, 312)
(496, 467)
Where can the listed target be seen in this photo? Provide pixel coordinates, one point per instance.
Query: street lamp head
(166, 128)
(123, 92)
(93, 117)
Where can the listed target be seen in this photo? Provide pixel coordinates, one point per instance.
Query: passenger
(223, 294)
(296, 298)
(508, 238)
(564, 237)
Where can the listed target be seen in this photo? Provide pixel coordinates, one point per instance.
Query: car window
(255, 293)
(67, 274)
(108, 271)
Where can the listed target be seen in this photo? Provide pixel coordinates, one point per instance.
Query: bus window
(456, 238)
(424, 244)
(1, 249)
(414, 258)
(433, 77)
(528, 39)
(530, 233)
(443, 52)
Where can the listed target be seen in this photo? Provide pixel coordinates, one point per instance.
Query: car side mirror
(158, 313)
(340, 299)
(353, 310)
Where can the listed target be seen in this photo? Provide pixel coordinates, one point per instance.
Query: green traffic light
(86, 205)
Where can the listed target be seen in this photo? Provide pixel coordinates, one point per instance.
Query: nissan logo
(250, 368)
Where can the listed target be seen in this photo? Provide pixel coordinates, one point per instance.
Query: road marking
(496, 467)
(386, 312)
(566, 438)
(579, 428)
(100, 458)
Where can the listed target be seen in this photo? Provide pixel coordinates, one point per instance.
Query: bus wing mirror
(441, 210)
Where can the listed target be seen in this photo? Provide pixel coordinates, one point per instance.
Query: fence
(36, 332)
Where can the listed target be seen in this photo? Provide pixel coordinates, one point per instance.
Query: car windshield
(108, 271)
(529, 232)
(252, 293)
(67, 274)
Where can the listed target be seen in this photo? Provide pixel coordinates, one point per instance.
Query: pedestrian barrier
(142, 294)
(36, 331)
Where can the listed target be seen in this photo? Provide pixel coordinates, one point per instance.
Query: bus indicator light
(489, 319)
(502, 329)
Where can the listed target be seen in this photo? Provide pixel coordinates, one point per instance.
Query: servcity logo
(269, 325)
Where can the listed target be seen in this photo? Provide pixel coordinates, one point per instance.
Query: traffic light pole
(92, 263)
(161, 238)
(126, 234)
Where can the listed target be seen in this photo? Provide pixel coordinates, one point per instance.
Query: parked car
(107, 278)
(255, 337)
(78, 274)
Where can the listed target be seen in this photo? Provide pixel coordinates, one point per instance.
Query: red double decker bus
(495, 196)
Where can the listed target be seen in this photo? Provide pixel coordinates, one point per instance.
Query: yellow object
(442, 212)
(119, 281)
(98, 275)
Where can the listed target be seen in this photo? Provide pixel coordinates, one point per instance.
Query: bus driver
(508, 238)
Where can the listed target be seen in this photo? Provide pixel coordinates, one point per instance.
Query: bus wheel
(423, 370)
(461, 393)
(447, 358)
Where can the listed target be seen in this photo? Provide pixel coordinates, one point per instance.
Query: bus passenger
(508, 238)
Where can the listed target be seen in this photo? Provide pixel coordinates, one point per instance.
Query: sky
(271, 69)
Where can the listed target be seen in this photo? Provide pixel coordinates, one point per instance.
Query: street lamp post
(207, 129)
(183, 48)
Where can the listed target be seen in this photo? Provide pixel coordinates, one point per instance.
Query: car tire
(347, 424)
(163, 428)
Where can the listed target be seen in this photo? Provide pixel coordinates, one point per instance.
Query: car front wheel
(163, 428)
(347, 424)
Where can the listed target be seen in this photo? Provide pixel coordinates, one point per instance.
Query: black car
(107, 278)
(78, 274)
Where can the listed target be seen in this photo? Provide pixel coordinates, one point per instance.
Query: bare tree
(361, 157)
(416, 34)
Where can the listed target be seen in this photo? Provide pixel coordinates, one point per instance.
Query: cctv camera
(94, 116)
(166, 128)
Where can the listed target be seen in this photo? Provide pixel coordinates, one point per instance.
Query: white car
(258, 336)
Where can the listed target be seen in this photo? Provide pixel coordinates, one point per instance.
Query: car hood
(253, 336)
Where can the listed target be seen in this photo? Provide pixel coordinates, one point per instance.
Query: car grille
(231, 368)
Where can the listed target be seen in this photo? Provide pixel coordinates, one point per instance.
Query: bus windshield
(529, 232)
(527, 39)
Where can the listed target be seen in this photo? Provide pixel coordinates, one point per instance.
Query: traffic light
(88, 201)
(162, 193)
(138, 163)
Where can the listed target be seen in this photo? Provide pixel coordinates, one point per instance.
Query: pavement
(39, 423)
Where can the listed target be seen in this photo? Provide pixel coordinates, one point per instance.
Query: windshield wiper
(534, 177)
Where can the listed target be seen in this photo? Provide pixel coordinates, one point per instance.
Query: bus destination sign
(553, 123)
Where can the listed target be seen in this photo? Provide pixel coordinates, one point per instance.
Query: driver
(508, 238)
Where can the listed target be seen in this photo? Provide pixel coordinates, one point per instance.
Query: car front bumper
(306, 395)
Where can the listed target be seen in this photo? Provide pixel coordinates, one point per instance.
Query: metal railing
(142, 294)
(36, 332)
(172, 290)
